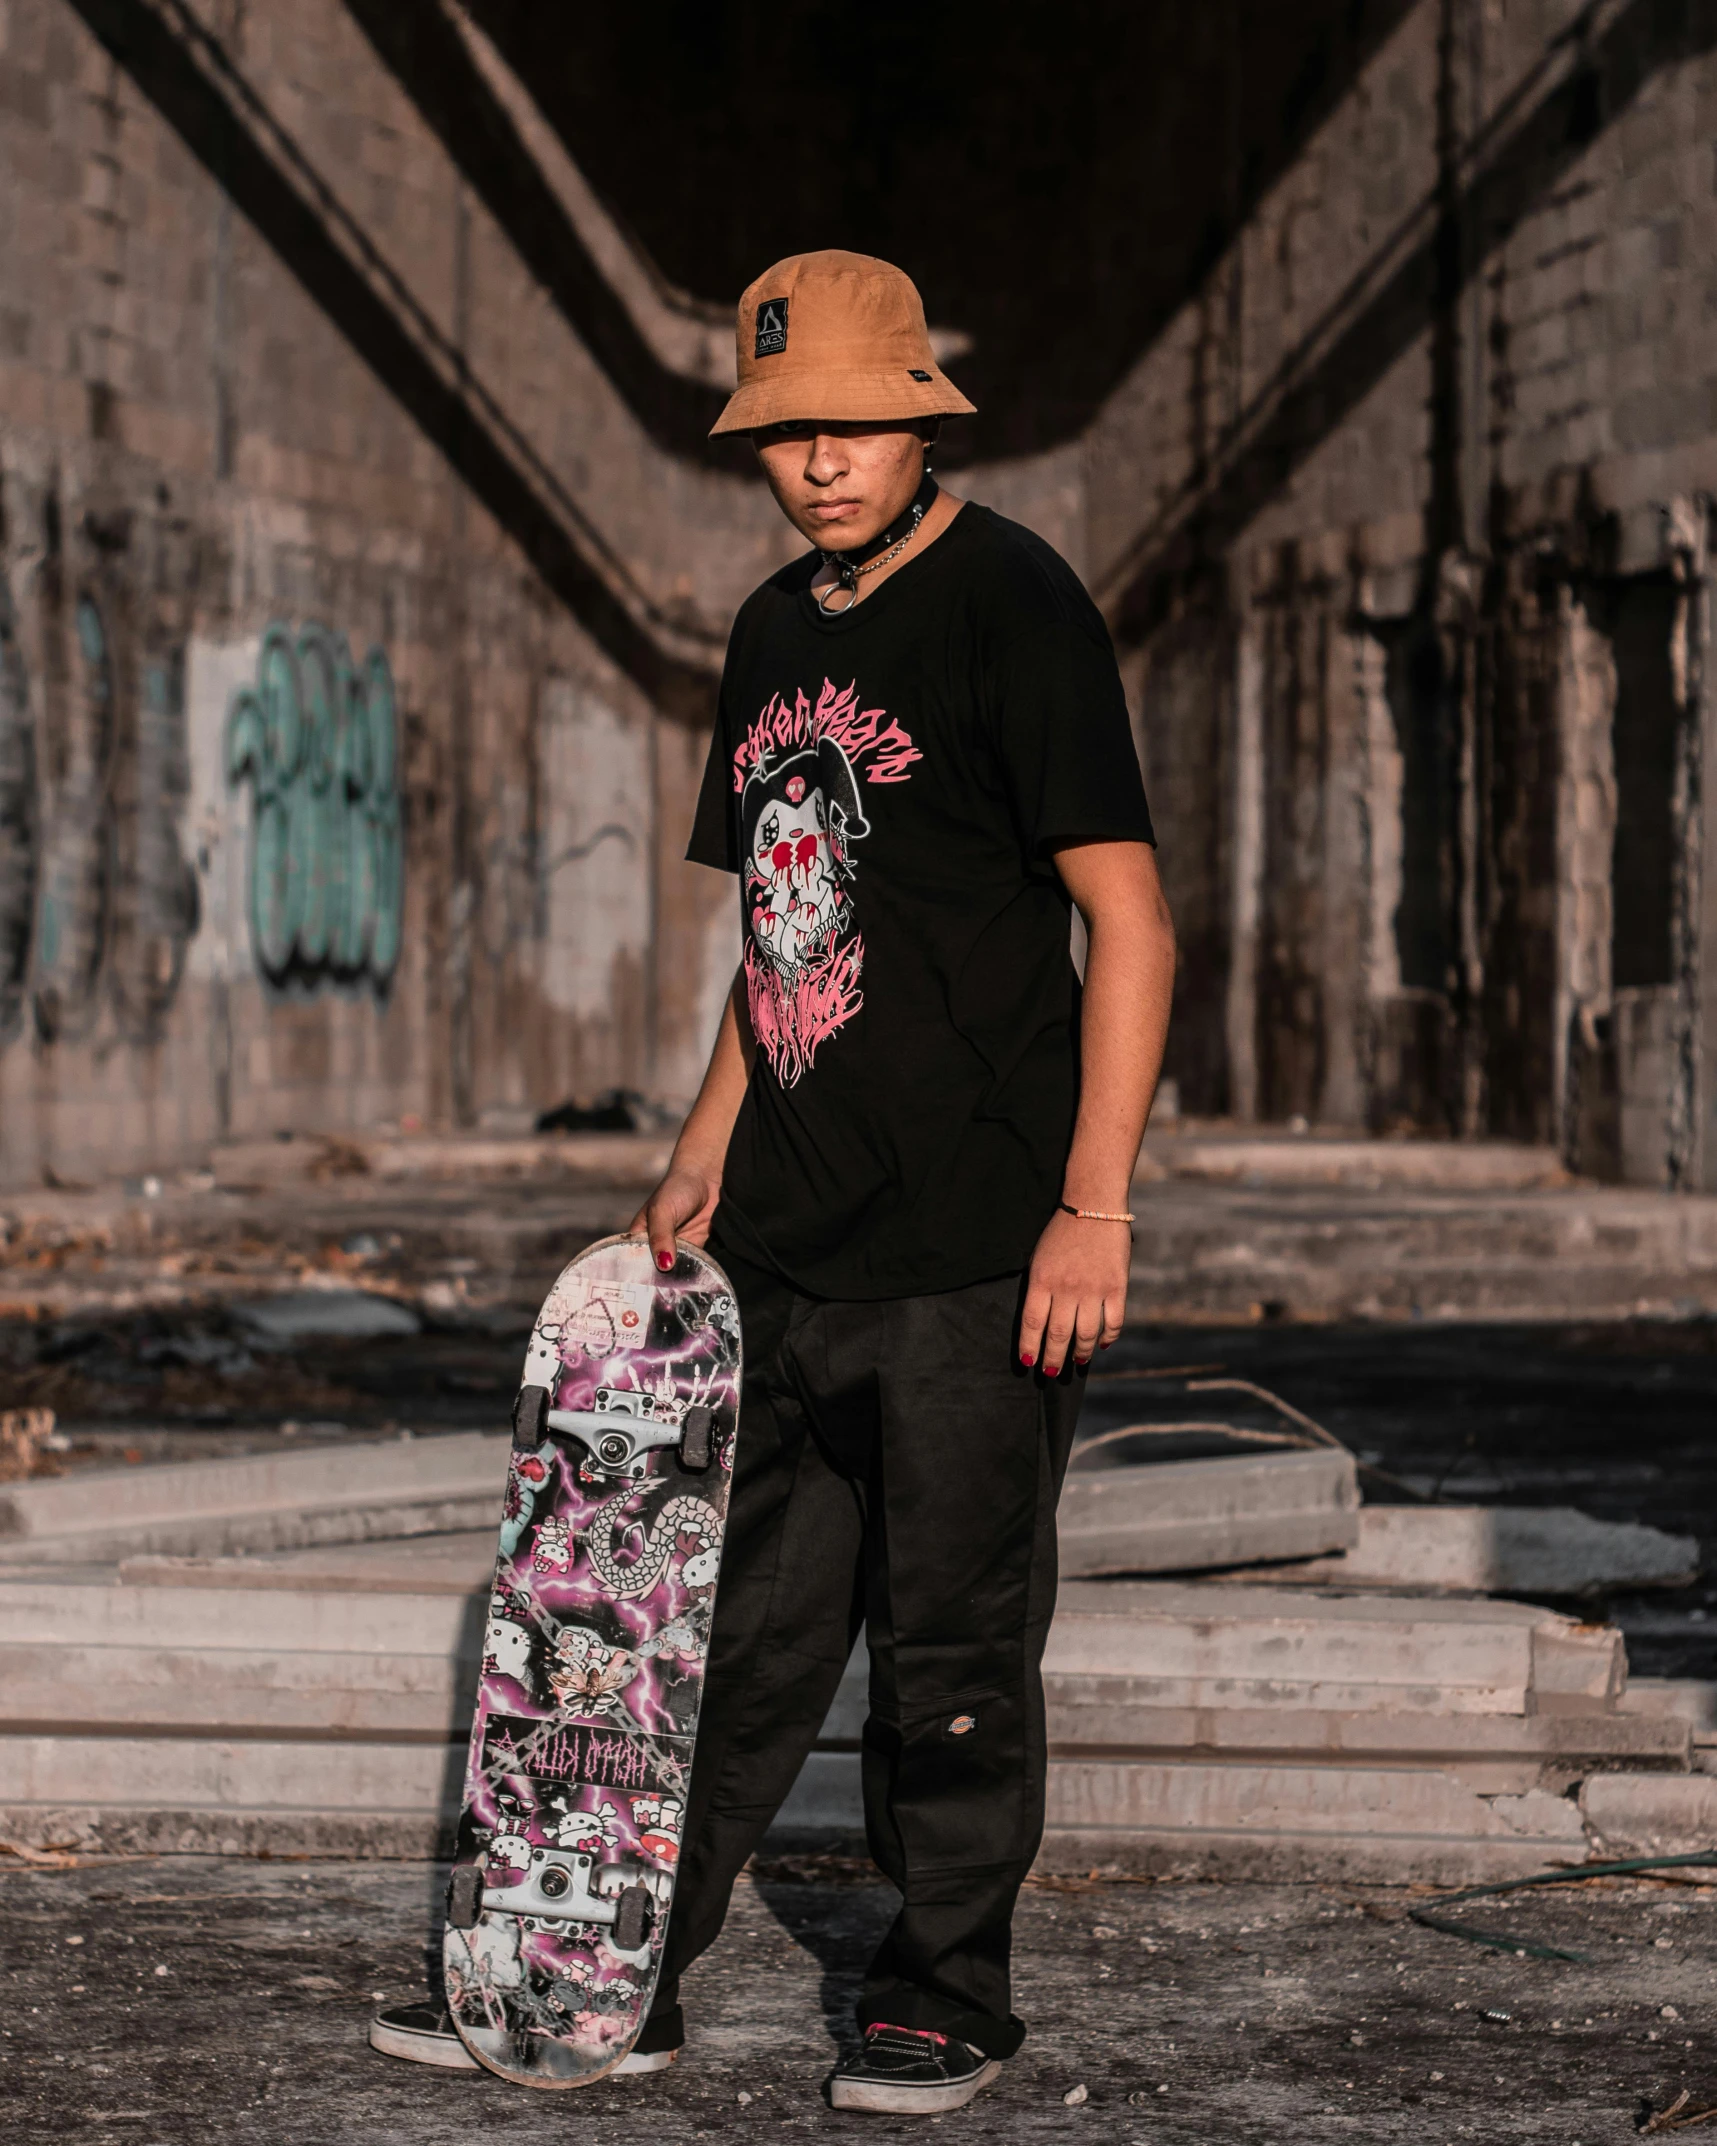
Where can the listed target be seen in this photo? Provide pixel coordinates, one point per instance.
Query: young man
(912, 1152)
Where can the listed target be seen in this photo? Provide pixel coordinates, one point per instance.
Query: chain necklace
(849, 570)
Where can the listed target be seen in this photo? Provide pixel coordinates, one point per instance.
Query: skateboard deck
(593, 1663)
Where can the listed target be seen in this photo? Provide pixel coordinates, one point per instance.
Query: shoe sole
(445, 2051)
(885, 2100)
(448, 2053)
(651, 2060)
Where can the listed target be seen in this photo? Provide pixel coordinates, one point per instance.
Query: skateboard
(593, 1663)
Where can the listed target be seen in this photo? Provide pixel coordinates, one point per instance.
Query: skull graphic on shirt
(801, 816)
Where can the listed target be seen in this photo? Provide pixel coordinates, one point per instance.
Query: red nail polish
(664, 1260)
(1028, 1361)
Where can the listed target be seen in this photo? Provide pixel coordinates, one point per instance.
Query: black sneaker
(425, 2034)
(422, 2034)
(908, 2071)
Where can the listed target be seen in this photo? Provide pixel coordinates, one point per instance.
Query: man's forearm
(1129, 984)
(702, 1144)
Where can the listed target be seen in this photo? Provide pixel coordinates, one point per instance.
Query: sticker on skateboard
(593, 1663)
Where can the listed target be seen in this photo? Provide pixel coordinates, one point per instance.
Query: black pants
(895, 1469)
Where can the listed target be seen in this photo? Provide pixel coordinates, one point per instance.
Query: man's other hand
(682, 1205)
(1076, 1295)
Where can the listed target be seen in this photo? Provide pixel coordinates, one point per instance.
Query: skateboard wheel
(632, 1922)
(465, 1896)
(695, 1439)
(530, 1417)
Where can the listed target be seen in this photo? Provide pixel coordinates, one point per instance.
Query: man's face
(841, 485)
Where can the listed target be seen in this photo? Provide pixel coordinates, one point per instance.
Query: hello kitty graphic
(798, 773)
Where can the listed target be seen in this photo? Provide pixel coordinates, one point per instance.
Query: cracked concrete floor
(171, 2000)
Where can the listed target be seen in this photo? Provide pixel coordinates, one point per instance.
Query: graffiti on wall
(97, 900)
(317, 739)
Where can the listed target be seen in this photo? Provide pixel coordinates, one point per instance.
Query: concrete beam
(1266, 1646)
(302, 1495)
(1551, 1550)
(1179, 1516)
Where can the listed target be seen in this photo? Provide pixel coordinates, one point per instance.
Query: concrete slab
(52, 1612)
(299, 1315)
(1335, 1821)
(353, 1491)
(1224, 1253)
(1552, 1550)
(1179, 1516)
(1258, 1158)
(457, 1563)
(1299, 1647)
(1689, 1700)
(69, 1688)
(131, 1772)
(1651, 1814)
(621, 1159)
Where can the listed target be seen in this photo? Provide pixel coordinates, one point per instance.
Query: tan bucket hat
(838, 336)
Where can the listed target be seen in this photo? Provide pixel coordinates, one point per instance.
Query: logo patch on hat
(916, 374)
(771, 328)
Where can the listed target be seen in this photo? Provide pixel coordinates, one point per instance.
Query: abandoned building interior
(365, 568)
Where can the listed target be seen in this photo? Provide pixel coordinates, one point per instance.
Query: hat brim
(887, 396)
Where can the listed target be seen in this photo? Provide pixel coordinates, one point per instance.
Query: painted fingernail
(664, 1260)
(1028, 1361)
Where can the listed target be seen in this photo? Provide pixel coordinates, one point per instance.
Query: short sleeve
(1065, 740)
(715, 838)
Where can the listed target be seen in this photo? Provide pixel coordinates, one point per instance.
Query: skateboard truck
(616, 1437)
(556, 1887)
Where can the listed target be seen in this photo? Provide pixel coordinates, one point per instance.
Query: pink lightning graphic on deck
(797, 771)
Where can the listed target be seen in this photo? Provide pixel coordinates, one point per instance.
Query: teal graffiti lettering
(318, 739)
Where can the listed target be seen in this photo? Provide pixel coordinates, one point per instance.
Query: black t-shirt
(890, 785)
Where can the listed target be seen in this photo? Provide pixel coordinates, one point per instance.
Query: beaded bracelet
(1092, 1214)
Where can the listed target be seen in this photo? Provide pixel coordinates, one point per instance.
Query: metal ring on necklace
(850, 574)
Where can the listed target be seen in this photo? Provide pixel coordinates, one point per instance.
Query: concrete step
(1691, 1701)
(1280, 1821)
(354, 1491)
(1223, 1252)
(361, 1796)
(235, 1773)
(1258, 1158)
(215, 1620)
(1183, 1643)
(1552, 1550)
(67, 1688)
(1195, 1645)
(1178, 1516)
(1651, 1814)
(633, 1161)
(1495, 1753)
(1290, 1822)
(460, 1563)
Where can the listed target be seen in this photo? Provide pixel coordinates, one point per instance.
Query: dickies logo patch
(917, 373)
(962, 1725)
(771, 328)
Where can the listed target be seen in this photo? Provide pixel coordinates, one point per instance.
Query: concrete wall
(1405, 518)
(364, 573)
(319, 805)
(364, 577)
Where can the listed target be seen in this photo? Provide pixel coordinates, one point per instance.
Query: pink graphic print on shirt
(797, 772)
